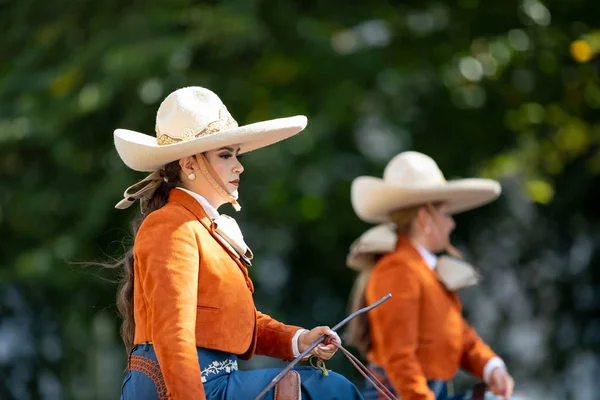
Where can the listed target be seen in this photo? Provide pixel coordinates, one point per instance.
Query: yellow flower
(581, 51)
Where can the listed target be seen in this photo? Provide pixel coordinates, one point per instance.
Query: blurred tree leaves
(507, 90)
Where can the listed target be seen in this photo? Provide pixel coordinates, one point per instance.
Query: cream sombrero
(412, 178)
(193, 120)
(375, 242)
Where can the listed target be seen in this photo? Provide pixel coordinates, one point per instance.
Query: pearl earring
(192, 176)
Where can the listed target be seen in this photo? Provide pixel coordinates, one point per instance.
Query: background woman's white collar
(430, 259)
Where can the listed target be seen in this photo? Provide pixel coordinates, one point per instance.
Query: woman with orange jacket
(186, 299)
(418, 340)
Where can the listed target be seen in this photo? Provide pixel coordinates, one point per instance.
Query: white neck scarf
(226, 228)
(452, 272)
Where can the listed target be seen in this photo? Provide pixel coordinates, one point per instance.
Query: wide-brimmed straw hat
(412, 179)
(193, 120)
(372, 244)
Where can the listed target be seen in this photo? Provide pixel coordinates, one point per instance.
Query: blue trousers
(223, 381)
(438, 387)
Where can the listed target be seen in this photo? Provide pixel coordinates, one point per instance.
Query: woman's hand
(501, 383)
(324, 351)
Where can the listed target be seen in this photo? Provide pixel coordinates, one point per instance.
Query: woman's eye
(225, 156)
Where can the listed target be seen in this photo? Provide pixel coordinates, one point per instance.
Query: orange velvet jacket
(189, 292)
(419, 334)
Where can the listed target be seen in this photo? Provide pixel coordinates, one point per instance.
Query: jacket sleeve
(395, 324)
(274, 339)
(167, 254)
(475, 352)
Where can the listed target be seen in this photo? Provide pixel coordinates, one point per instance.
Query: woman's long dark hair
(171, 173)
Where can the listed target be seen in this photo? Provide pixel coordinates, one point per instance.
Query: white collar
(430, 259)
(208, 208)
(226, 228)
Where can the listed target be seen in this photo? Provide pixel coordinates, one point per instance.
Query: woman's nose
(238, 168)
(452, 223)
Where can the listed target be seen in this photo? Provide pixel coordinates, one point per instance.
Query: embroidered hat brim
(141, 152)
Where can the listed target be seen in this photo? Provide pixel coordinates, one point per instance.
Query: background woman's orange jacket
(419, 334)
(189, 292)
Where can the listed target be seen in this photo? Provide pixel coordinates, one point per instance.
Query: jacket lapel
(409, 252)
(192, 205)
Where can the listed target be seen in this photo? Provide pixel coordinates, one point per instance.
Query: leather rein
(353, 360)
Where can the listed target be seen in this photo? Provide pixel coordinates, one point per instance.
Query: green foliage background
(486, 88)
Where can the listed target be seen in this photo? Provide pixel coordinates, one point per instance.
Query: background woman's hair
(358, 334)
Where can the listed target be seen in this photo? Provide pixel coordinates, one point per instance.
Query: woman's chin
(438, 249)
(235, 194)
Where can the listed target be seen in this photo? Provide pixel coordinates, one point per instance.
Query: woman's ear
(422, 217)
(187, 165)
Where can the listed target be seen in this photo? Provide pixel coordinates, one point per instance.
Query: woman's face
(226, 163)
(442, 226)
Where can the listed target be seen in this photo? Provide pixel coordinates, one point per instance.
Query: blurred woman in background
(417, 341)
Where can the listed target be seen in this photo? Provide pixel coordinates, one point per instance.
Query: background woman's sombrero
(411, 179)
